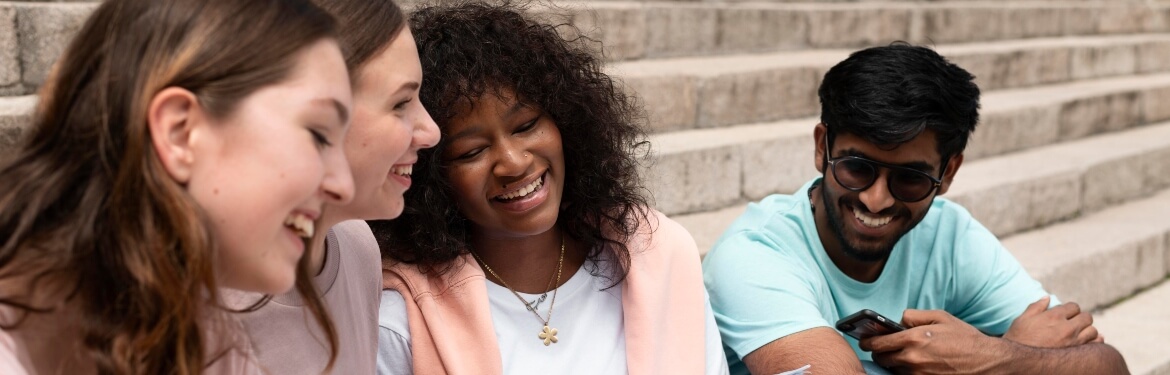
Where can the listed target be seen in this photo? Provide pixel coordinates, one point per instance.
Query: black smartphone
(867, 323)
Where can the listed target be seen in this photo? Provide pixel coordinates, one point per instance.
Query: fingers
(1067, 310)
(884, 343)
(1088, 335)
(1037, 307)
(1100, 339)
(912, 318)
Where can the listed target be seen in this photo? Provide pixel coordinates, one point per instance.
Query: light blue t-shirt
(768, 276)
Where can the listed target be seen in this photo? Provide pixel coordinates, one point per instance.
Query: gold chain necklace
(548, 335)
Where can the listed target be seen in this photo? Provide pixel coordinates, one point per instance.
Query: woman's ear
(172, 117)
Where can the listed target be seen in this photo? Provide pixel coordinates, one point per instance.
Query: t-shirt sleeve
(759, 294)
(394, 356)
(993, 289)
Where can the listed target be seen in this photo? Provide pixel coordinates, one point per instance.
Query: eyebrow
(342, 113)
(917, 165)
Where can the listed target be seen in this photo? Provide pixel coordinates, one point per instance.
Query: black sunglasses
(905, 184)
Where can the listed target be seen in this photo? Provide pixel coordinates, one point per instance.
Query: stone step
(32, 36)
(634, 30)
(1138, 328)
(15, 115)
(1101, 257)
(706, 169)
(701, 92)
(1009, 194)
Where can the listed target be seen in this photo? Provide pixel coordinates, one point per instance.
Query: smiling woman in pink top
(527, 245)
(179, 146)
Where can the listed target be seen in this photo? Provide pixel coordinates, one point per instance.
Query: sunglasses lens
(909, 186)
(854, 173)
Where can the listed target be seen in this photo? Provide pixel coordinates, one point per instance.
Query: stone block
(9, 48)
(1106, 276)
(954, 25)
(675, 31)
(1080, 20)
(670, 101)
(779, 165)
(766, 95)
(1032, 23)
(1087, 116)
(994, 71)
(743, 30)
(697, 180)
(1113, 182)
(1014, 207)
(45, 30)
(1104, 61)
(1128, 18)
(15, 119)
(857, 27)
(1153, 57)
(622, 31)
(1001, 132)
(1156, 172)
(1154, 104)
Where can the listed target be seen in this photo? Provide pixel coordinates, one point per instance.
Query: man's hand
(935, 342)
(1059, 327)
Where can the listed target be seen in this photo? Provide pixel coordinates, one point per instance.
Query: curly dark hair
(471, 49)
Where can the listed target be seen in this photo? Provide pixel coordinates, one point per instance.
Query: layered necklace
(548, 335)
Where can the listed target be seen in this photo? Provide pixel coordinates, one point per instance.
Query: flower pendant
(549, 335)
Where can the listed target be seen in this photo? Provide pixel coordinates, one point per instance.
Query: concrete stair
(1070, 165)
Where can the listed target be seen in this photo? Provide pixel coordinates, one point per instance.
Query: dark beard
(872, 255)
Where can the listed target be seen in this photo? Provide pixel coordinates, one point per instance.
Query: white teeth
(524, 191)
(301, 224)
(871, 221)
(406, 170)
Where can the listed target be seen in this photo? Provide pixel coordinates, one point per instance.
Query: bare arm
(822, 348)
(939, 343)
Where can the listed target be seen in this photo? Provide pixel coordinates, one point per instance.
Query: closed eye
(402, 105)
(527, 126)
(319, 139)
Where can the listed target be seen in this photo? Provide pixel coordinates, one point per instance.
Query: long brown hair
(365, 28)
(85, 201)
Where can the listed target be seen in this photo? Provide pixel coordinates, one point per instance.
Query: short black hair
(888, 95)
(472, 49)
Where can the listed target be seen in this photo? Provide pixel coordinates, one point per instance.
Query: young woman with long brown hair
(389, 127)
(180, 146)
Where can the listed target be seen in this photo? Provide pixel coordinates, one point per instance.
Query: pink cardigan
(662, 300)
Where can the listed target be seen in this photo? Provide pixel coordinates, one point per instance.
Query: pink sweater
(662, 301)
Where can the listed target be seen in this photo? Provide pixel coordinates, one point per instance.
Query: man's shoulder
(776, 217)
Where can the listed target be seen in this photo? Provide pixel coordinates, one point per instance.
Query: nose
(426, 132)
(337, 186)
(510, 160)
(877, 197)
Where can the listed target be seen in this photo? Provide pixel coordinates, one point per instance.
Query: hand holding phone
(867, 323)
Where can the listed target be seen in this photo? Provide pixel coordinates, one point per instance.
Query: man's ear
(953, 165)
(172, 117)
(819, 134)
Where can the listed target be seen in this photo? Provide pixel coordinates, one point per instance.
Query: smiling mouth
(521, 192)
(404, 171)
(870, 220)
(300, 224)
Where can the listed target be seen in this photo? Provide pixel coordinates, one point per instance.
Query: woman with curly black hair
(527, 245)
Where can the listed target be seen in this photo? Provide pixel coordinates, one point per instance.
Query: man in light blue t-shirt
(871, 233)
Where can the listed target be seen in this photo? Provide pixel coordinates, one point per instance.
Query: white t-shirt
(588, 318)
